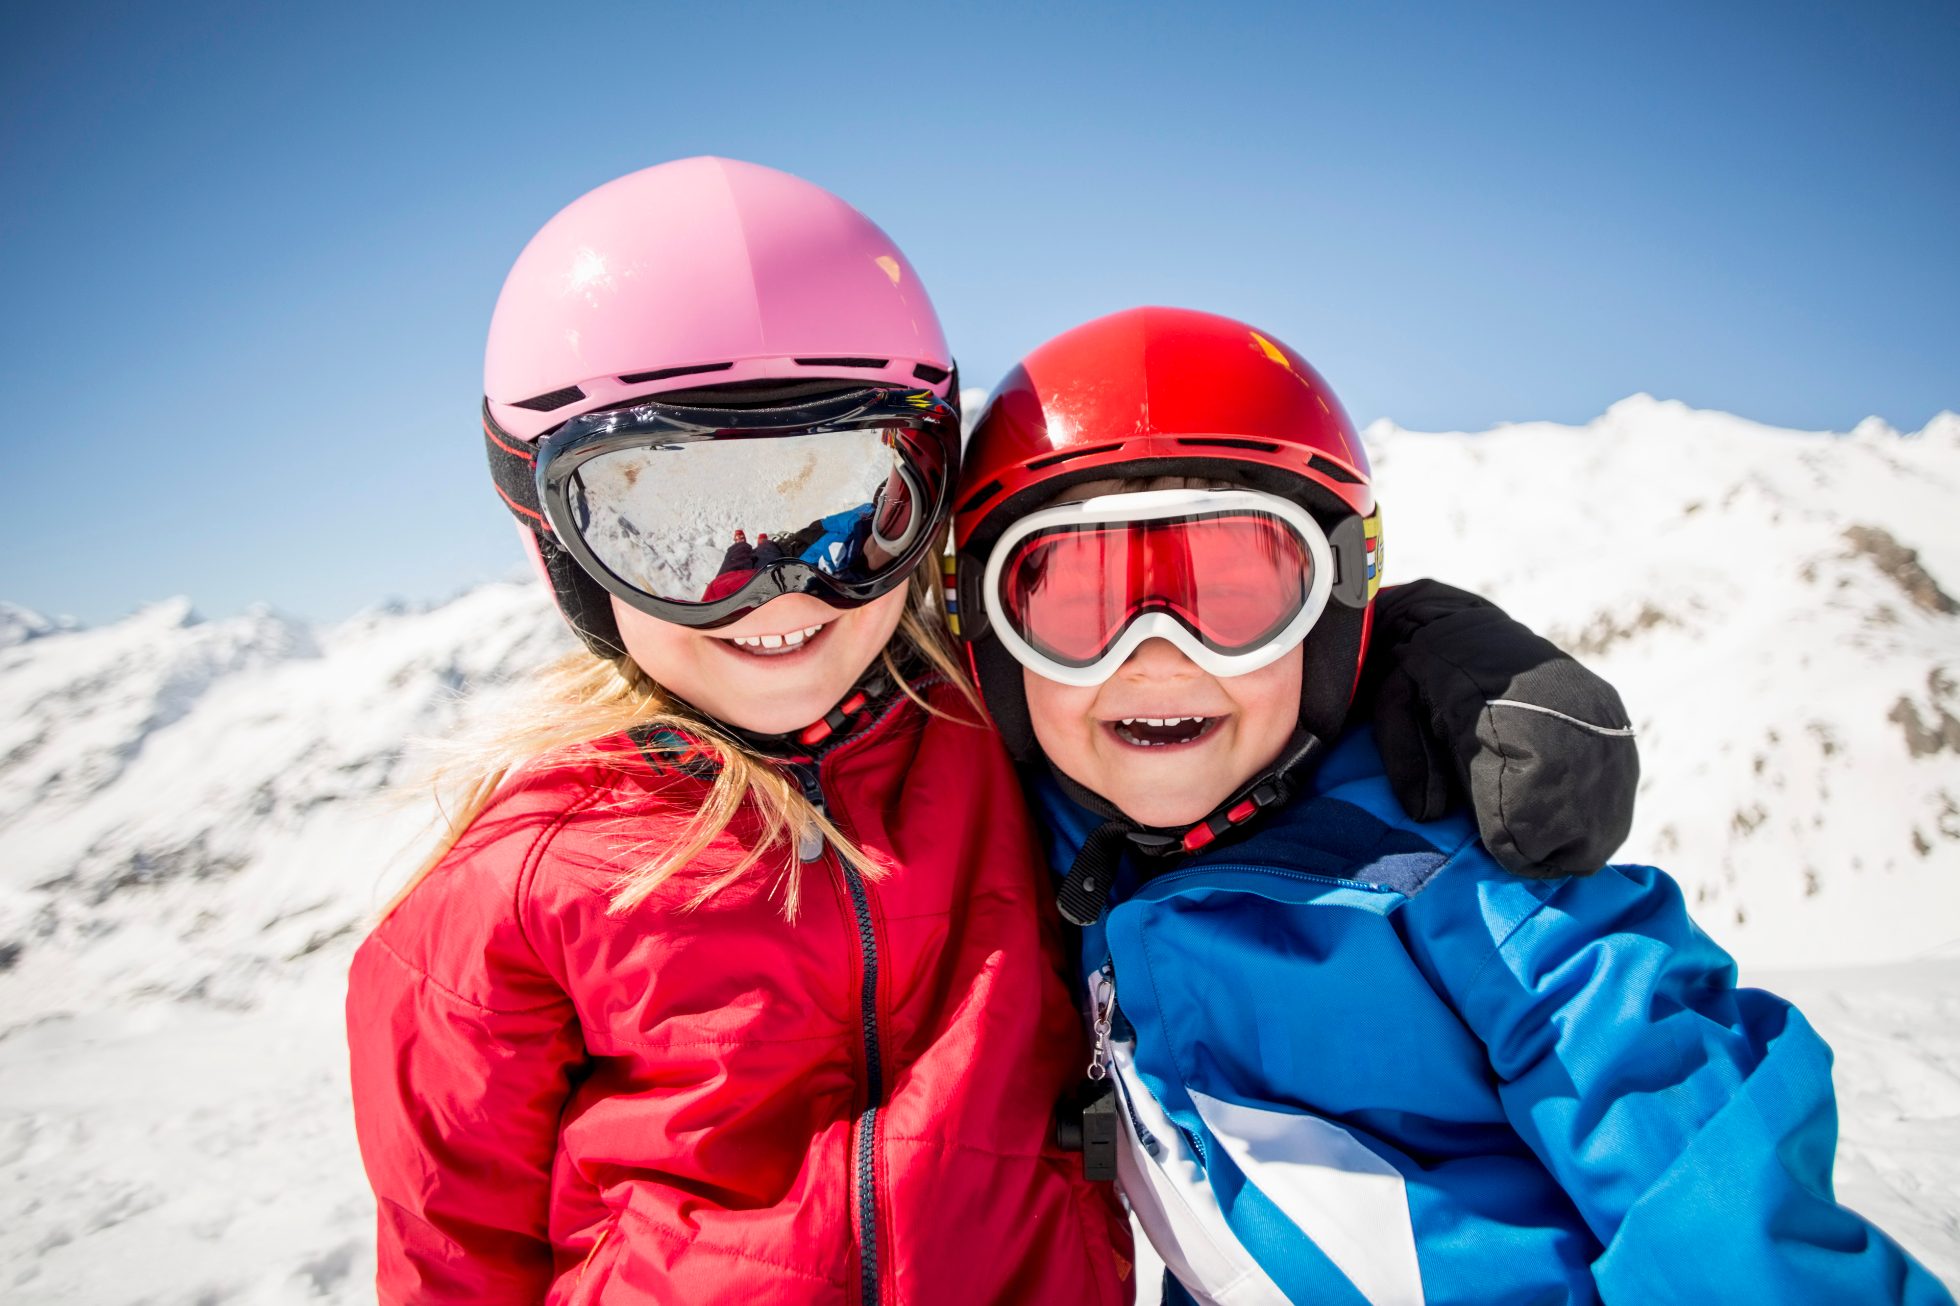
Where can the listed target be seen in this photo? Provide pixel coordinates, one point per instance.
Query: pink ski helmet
(690, 275)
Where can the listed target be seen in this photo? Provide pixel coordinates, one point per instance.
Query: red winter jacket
(556, 1104)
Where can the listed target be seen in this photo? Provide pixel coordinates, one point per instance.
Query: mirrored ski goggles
(701, 515)
(1234, 578)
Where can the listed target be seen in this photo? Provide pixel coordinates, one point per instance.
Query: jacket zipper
(1102, 1060)
(1305, 877)
(1102, 1008)
(864, 1131)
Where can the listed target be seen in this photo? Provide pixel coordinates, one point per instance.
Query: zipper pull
(1105, 1014)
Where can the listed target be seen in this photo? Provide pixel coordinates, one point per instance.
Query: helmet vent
(544, 403)
(1328, 467)
(843, 362)
(929, 374)
(1223, 442)
(661, 374)
(980, 496)
(1069, 455)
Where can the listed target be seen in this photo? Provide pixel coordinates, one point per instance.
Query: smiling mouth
(1162, 732)
(774, 646)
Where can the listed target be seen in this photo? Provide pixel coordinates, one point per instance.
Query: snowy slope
(1778, 610)
(194, 836)
(191, 837)
(181, 801)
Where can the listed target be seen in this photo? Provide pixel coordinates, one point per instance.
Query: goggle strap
(583, 601)
(513, 467)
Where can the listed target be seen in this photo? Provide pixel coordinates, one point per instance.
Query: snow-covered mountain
(193, 832)
(1778, 609)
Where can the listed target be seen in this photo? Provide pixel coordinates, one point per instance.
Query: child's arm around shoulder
(1691, 1122)
(463, 1044)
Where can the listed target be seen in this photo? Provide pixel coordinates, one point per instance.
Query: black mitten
(1468, 701)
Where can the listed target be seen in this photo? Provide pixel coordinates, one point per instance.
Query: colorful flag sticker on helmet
(949, 576)
(1371, 534)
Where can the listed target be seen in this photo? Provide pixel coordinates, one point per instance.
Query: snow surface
(1792, 668)
(193, 833)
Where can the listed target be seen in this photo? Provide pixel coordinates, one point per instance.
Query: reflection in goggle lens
(692, 521)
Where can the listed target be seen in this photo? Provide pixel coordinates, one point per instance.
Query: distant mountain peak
(1944, 428)
(175, 612)
(19, 624)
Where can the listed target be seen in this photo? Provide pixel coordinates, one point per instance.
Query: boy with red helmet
(1340, 1053)
(731, 977)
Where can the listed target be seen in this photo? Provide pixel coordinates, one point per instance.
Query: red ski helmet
(1166, 392)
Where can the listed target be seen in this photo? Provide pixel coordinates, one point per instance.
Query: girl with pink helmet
(736, 975)
(730, 980)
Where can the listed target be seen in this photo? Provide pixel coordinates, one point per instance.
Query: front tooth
(1154, 721)
(794, 638)
(772, 641)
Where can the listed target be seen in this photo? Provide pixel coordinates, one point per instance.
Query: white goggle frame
(1152, 505)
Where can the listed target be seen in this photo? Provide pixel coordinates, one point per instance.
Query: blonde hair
(583, 698)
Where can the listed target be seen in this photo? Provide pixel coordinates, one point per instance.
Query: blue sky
(249, 252)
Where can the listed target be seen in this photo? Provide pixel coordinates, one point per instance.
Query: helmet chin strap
(872, 691)
(1085, 889)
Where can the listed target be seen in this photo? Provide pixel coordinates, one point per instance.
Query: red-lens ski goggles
(701, 515)
(1234, 578)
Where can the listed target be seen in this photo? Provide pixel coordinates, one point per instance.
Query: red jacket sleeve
(463, 1048)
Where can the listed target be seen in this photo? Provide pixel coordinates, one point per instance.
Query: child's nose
(1158, 659)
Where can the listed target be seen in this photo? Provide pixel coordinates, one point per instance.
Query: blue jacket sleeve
(1692, 1123)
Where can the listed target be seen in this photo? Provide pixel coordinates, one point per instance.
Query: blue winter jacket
(1369, 1065)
